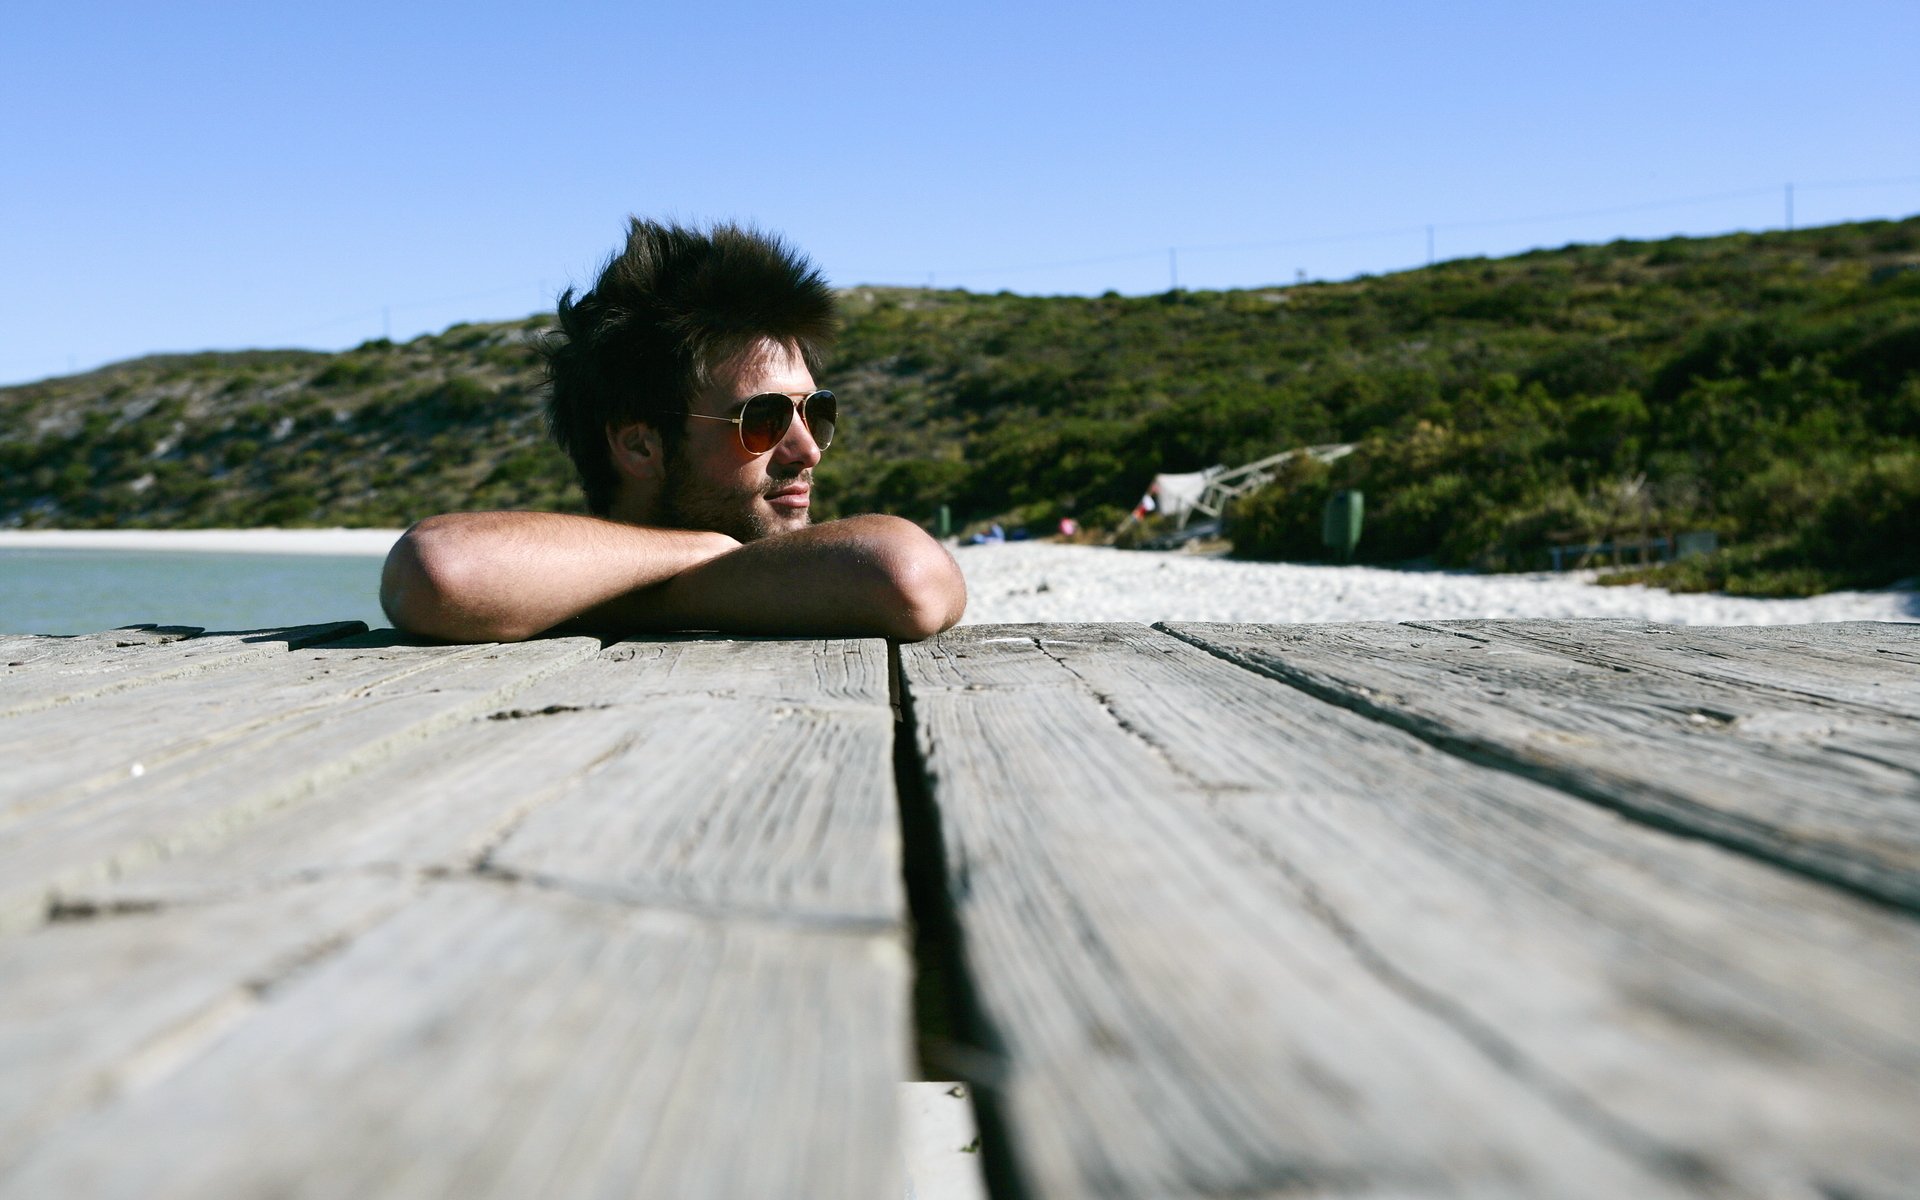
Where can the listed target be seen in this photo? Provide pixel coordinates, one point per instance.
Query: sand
(1043, 581)
(1039, 581)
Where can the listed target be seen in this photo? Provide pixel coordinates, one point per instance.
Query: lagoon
(71, 591)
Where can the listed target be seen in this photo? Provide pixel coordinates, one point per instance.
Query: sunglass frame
(798, 408)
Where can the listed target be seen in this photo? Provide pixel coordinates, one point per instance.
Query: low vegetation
(1764, 387)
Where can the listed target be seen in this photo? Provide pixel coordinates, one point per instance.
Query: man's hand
(508, 576)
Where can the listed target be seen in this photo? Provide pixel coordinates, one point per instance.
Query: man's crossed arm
(505, 576)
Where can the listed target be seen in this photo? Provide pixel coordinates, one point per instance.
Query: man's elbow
(927, 593)
(431, 587)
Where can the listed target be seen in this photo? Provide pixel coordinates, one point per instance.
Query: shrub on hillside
(1872, 525)
(348, 371)
(1864, 532)
(1281, 521)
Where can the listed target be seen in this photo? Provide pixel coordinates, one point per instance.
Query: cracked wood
(191, 760)
(578, 916)
(733, 777)
(497, 1041)
(1825, 784)
(39, 672)
(1228, 938)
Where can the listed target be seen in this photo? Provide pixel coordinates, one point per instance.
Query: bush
(286, 509)
(1282, 520)
(349, 372)
(1865, 533)
(1871, 527)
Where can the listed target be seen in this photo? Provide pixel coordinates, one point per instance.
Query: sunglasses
(765, 419)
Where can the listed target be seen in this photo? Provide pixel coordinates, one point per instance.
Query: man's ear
(637, 451)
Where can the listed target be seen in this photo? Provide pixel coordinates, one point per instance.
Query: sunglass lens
(764, 421)
(823, 411)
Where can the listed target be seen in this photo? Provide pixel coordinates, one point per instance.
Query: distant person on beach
(682, 387)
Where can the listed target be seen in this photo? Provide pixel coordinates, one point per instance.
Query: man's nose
(798, 447)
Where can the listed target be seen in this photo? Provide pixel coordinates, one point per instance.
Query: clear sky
(222, 175)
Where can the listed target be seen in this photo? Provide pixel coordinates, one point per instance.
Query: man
(683, 390)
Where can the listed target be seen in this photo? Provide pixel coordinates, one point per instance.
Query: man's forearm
(507, 576)
(504, 576)
(868, 576)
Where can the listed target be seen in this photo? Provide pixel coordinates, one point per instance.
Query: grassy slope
(1765, 386)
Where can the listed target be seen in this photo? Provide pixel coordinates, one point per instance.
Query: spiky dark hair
(668, 311)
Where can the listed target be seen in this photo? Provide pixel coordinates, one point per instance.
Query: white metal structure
(1223, 488)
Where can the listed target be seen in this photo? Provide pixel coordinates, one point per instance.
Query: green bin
(1340, 523)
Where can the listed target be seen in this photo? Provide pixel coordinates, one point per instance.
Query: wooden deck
(1503, 909)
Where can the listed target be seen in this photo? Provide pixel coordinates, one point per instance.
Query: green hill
(1764, 386)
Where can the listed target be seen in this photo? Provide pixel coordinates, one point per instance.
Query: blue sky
(196, 176)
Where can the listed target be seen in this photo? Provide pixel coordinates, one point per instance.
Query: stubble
(689, 502)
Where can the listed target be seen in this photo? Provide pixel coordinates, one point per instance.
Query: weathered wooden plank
(499, 1040)
(180, 716)
(100, 786)
(45, 671)
(744, 777)
(24, 649)
(768, 782)
(1787, 779)
(1860, 669)
(1232, 940)
(99, 1004)
(1167, 1026)
(1854, 688)
(1876, 640)
(692, 982)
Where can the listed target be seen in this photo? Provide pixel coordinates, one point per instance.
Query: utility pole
(1429, 245)
(1173, 269)
(386, 322)
(1789, 206)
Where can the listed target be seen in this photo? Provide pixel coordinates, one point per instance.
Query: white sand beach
(1044, 581)
(1041, 581)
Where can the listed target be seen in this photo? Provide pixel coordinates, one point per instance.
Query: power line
(386, 311)
(1429, 229)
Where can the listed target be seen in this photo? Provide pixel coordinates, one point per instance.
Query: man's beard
(688, 503)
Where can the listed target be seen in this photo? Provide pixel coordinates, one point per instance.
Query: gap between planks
(990, 677)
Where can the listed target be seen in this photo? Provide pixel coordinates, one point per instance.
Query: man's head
(684, 321)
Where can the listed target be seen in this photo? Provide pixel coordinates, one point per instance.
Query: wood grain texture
(735, 777)
(28, 649)
(763, 779)
(100, 786)
(500, 1040)
(1824, 787)
(1235, 941)
(1855, 669)
(629, 925)
(1166, 1027)
(96, 1006)
(39, 672)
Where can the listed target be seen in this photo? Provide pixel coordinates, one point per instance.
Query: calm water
(82, 591)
